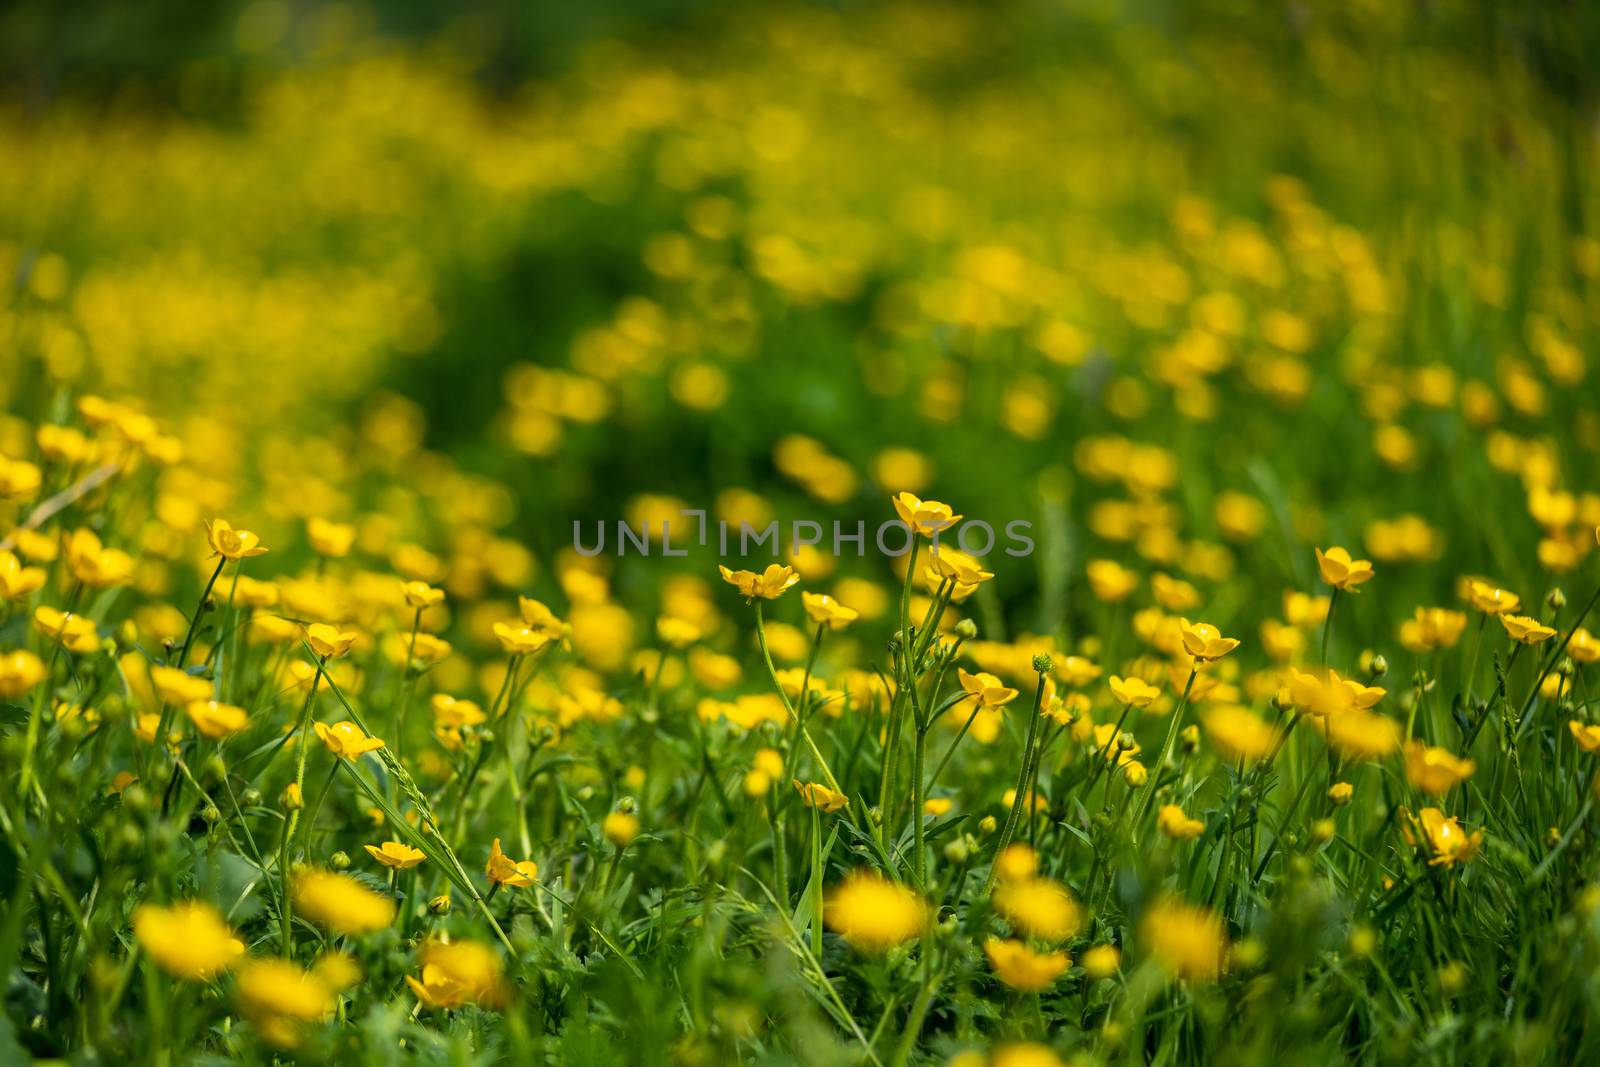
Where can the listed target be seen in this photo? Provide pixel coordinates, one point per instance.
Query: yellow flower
(450, 712)
(1101, 961)
(396, 854)
(1360, 734)
(1023, 1054)
(19, 672)
(826, 611)
(1189, 942)
(770, 584)
(959, 567)
(1432, 628)
(519, 640)
(1449, 843)
(95, 565)
(1178, 826)
(1528, 631)
(1239, 733)
(815, 795)
(1038, 907)
(19, 479)
(341, 903)
(216, 720)
(503, 870)
(926, 517)
(179, 687)
(1107, 742)
(329, 642)
(1339, 793)
(540, 619)
(1587, 737)
(1435, 771)
(874, 914)
(620, 828)
(278, 998)
(458, 973)
(346, 739)
(677, 633)
(986, 689)
(75, 632)
(1134, 692)
(1582, 646)
(1205, 642)
(17, 581)
(1342, 572)
(422, 595)
(331, 539)
(1491, 599)
(189, 940)
(1019, 967)
(1111, 581)
(232, 544)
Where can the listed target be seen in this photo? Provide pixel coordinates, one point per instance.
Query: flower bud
(292, 799)
(956, 851)
(966, 629)
(987, 825)
(1555, 599)
(210, 813)
(439, 905)
(339, 861)
(1042, 663)
(1339, 793)
(1380, 666)
(250, 798)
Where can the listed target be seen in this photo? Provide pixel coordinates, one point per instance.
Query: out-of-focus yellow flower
(1239, 733)
(770, 584)
(20, 671)
(330, 539)
(1174, 594)
(17, 581)
(1582, 646)
(816, 795)
(1110, 580)
(95, 565)
(396, 854)
(421, 595)
(1587, 736)
(216, 720)
(677, 633)
(826, 611)
(1175, 824)
(1134, 692)
(341, 903)
(1359, 734)
(189, 940)
(1432, 628)
(926, 517)
(19, 479)
(874, 914)
(457, 973)
(1101, 961)
(1024, 1054)
(1527, 630)
(232, 544)
(1205, 642)
(448, 711)
(1189, 942)
(1435, 771)
(279, 999)
(1305, 611)
(179, 687)
(503, 870)
(1019, 967)
(329, 642)
(346, 740)
(620, 828)
(75, 632)
(1038, 907)
(1340, 793)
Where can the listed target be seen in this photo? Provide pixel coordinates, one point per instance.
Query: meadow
(1258, 730)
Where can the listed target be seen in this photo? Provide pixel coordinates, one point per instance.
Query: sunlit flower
(279, 998)
(396, 854)
(216, 720)
(1186, 940)
(95, 565)
(677, 633)
(1342, 572)
(1038, 907)
(958, 567)
(459, 972)
(1135, 692)
(926, 517)
(422, 595)
(1432, 628)
(1019, 967)
(20, 671)
(1175, 824)
(17, 581)
(1205, 642)
(189, 940)
(815, 795)
(826, 611)
(329, 642)
(1435, 771)
(331, 539)
(770, 584)
(346, 739)
(1492, 599)
(1526, 630)
(620, 828)
(232, 544)
(519, 640)
(503, 870)
(874, 914)
(1585, 734)
(1101, 961)
(985, 689)
(75, 632)
(1111, 581)
(1445, 838)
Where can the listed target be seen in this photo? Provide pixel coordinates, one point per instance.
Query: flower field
(999, 536)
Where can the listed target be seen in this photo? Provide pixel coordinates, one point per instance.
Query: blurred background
(1167, 279)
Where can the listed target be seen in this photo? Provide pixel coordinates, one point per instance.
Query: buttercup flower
(1111, 581)
(1492, 599)
(1175, 824)
(1188, 941)
(519, 640)
(1135, 692)
(620, 828)
(1526, 630)
(76, 633)
(232, 544)
(1238, 733)
(874, 914)
(17, 581)
(396, 854)
(1038, 907)
(986, 689)
(19, 672)
(1205, 642)
(331, 539)
(189, 940)
(341, 903)
(770, 584)
(346, 739)
(459, 972)
(1445, 838)
(179, 687)
(329, 642)
(1435, 771)
(1342, 572)
(1586, 735)
(1101, 961)
(422, 595)
(677, 633)
(958, 567)
(926, 517)
(821, 797)
(95, 565)
(1019, 967)
(503, 870)
(216, 720)
(279, 999)
(826, 611)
